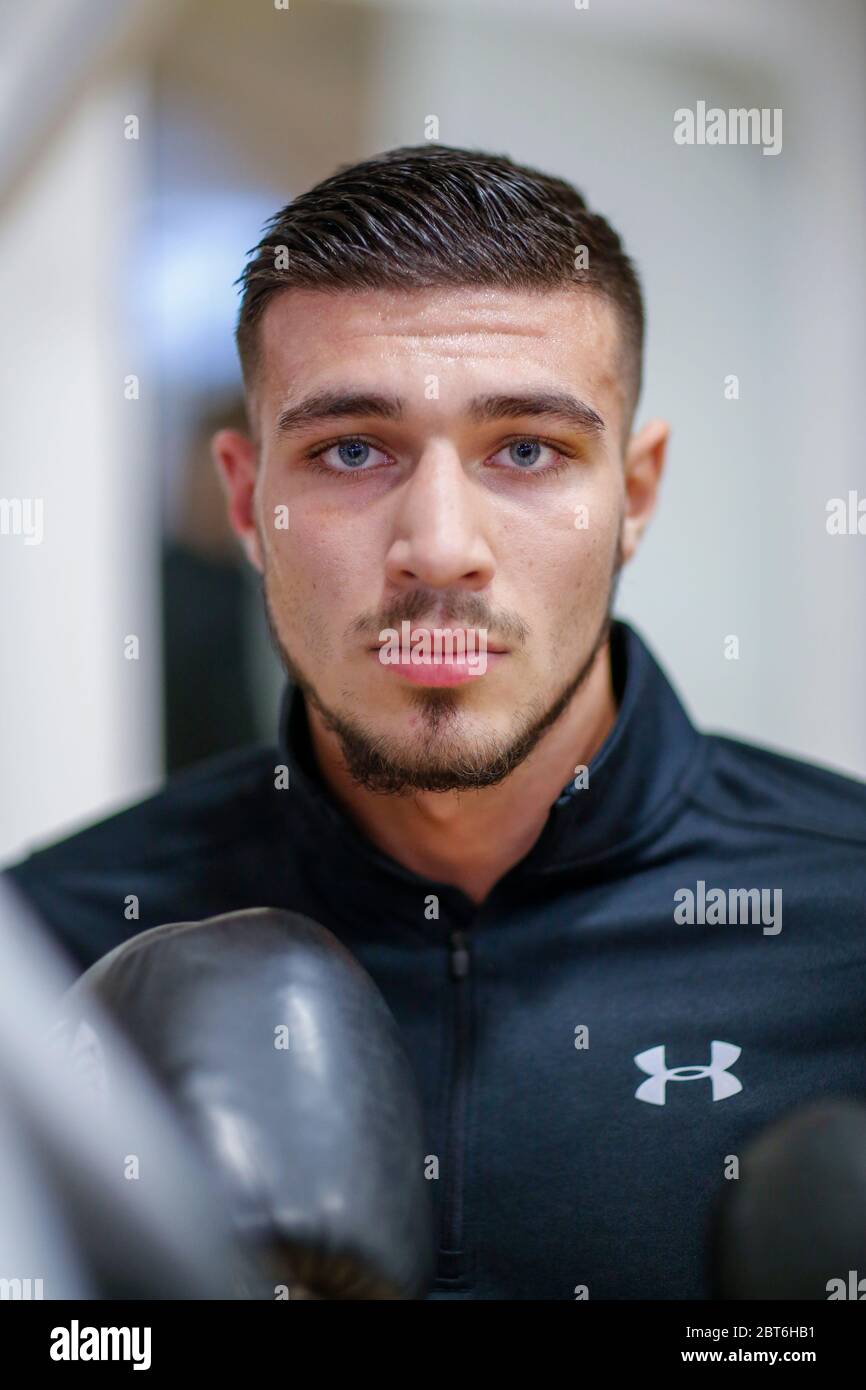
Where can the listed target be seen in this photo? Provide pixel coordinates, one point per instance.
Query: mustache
(455, 609)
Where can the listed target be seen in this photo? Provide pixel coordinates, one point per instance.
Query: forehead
(310, 338)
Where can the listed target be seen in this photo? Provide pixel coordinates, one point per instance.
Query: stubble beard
(448, 763)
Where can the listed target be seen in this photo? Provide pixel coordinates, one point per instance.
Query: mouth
(422, 658)
(449, 671)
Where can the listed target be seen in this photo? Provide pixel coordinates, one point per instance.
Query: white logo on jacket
(722, 1056)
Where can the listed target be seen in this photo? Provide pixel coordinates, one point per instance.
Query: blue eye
(530, 456)
(353, 452)
(347, 456)
(525, 452)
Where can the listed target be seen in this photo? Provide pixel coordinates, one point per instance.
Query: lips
(431, 654)
(457, 671)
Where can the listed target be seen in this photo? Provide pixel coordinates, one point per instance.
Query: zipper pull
(459, 955)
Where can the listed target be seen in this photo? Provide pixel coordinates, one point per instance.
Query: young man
(573, 902)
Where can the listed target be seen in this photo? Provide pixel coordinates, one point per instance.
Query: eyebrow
(341, 405)
(336, 405)
(559, 405)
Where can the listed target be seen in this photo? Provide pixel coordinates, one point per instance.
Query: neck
(470, 839)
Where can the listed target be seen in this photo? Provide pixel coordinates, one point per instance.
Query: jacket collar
(636, 781)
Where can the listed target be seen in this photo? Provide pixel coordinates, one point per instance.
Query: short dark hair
(428, 215)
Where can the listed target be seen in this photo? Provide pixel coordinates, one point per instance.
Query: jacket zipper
(452, 1213)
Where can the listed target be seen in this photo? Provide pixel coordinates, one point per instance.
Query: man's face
(464, 501)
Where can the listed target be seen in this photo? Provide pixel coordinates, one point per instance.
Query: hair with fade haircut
(432, 215)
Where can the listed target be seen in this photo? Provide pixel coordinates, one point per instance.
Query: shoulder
(759, 787)
(188, 851)
(196, 812)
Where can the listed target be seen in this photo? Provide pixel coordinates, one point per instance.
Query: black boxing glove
(103, 1196)
(793, 1225)
(283, 1057)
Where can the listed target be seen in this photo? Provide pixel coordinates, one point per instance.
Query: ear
(236, 458)
(644, 461)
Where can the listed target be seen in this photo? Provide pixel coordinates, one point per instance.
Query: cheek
(595, 523)
(316, 584)
(311, 572)
(574, 573)
(314, 553)
(568, 542)
(567, 578)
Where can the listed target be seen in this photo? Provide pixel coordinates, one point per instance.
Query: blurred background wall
(143, 144)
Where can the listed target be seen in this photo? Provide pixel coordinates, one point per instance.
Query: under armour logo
(722, 1056)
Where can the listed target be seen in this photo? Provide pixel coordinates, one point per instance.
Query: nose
(437, 535)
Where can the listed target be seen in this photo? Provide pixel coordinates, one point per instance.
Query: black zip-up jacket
(616, 1020)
